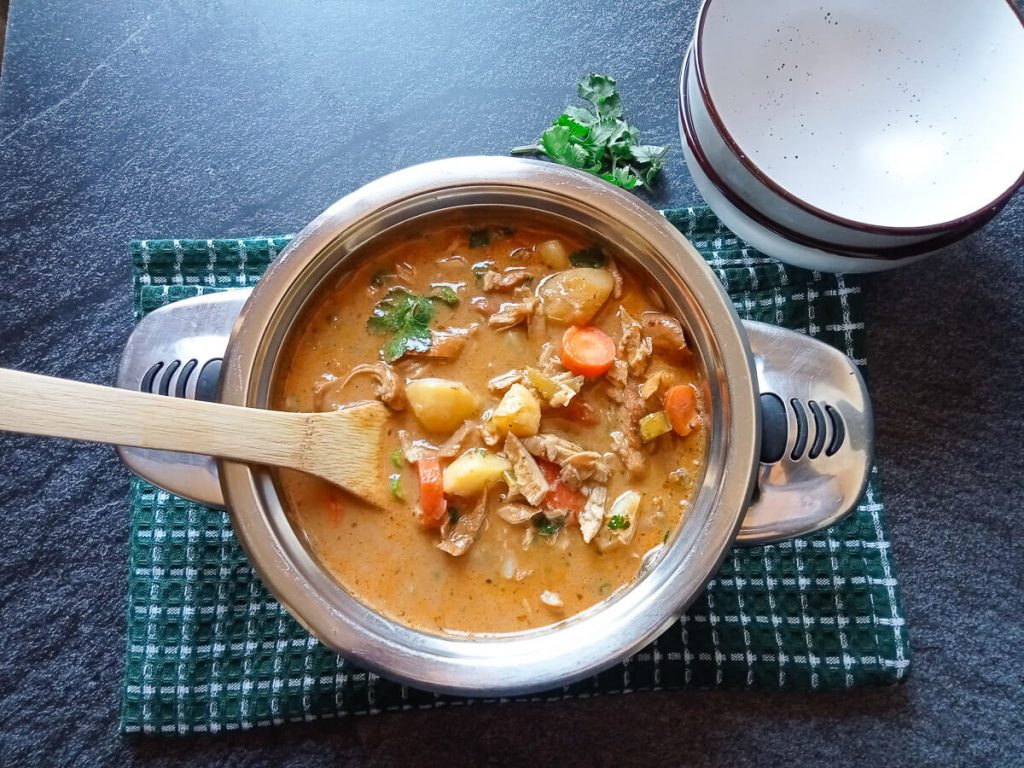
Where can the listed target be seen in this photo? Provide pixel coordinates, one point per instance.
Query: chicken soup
(546, 425)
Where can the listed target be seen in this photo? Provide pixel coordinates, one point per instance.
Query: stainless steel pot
(789, 447)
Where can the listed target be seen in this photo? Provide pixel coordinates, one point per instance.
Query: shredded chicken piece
(568, 387)
(578, 465)
(552, 447)
(404, 271)
(551, 599)
(513, 313)
(414, 450)
(537, 325)
(458, 538)
(616, 378)
(548, 362)
(390, 388)
(487, 433)
(447, 344)
(485, 305)
(616, 279)
(529, 479)
(651, 385)
(517, 514)
(666, 333)
(634, 347)
(505, 281)
(583, 466)
(500, 383)
(593, 511)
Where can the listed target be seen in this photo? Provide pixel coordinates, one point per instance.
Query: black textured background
(221, 117)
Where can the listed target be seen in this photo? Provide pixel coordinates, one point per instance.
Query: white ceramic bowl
(772, 243)
(862, 124)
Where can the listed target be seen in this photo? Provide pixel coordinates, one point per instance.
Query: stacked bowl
(854, 135)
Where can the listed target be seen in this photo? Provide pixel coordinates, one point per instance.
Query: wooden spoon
(343, 447)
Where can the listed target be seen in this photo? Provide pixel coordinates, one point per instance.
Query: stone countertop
(124, 119)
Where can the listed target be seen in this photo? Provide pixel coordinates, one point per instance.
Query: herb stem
(531, 149)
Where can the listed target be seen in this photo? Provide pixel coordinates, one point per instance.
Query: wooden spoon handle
(44, 405)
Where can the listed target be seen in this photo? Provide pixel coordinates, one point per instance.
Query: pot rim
(528, 661)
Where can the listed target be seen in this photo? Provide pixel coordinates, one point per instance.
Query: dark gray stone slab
(124, 119)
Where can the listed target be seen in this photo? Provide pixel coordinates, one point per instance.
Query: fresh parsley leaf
(578, 129)
(445, 293)
(397, 459)
(622, 177)
(618, 523)
(396, 487)
(406, 317)
(557, 144)
(479, 238)
(581, 115)
(548, 527)
(599, 141)
(600, 91)
(589, 257)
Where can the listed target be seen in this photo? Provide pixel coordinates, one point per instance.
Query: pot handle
(817, 439)
(816, 443)
(177, 351)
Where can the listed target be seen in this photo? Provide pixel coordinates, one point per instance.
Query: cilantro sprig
(599, 140)
(406, 317)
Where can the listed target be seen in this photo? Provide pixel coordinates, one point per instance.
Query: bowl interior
(889, 114)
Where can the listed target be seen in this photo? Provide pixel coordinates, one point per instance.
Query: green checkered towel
(209, 648)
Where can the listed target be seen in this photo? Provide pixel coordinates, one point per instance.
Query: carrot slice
(680, 404)
(587, 351)
(433, 504)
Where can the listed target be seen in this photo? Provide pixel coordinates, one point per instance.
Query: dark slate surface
(196, 118)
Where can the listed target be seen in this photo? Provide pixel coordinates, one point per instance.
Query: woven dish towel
(209, 648)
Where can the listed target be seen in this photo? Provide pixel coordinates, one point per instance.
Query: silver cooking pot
(789, 423)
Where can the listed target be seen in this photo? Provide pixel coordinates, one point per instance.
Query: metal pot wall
(789, 421)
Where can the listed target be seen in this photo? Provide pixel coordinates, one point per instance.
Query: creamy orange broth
(386, 558)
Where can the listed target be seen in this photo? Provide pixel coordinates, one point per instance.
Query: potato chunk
(574, 296)
(518, 413)
(441, 405)
(553, 254)
(474, 471)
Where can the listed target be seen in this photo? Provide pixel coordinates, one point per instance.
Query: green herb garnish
(397, 458)
(548, 527)
(599, 141)
(406, 317)
(396, 487)
(618, 523)
(453, 515)
(589, 257)
(444, 293)
(479, 238)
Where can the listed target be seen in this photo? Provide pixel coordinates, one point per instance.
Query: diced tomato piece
(433, 504)
(578, 411)
(561, 497)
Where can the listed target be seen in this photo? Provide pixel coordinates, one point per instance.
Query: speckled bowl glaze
(863, 127)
